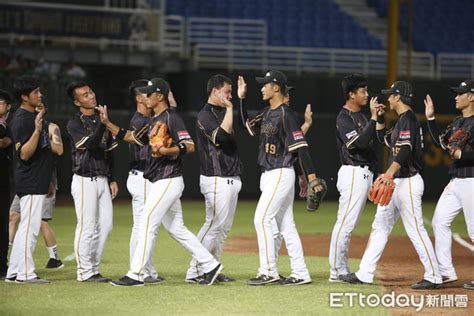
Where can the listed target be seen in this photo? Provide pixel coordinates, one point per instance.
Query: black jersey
(349, 127)
(138, 153)
(216, 148)
(280, 136)
(5, 155)
(34, 175)
(406, 132)
(92, 146)
(164, 167)
(464, 167)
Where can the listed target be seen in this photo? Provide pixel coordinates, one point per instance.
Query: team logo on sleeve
(297, 135)
(405, 134)
(183, 135)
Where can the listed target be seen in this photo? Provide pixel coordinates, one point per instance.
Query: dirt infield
(398, 268)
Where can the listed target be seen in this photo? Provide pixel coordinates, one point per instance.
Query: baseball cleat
(263, 279)
(32, 281)
(294, 281)
(337, 279)
(195, 280)
(10, 279)
(127, 281)
(425, 285)
(151, 280)
(449, 279)
(469, 285)
(210, 277)
(351, 278)
(54, 264)
(224, 279)
(98, 278)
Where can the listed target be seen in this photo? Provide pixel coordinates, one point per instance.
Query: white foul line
(456, 237)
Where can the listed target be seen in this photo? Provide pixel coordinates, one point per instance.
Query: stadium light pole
(392, 43)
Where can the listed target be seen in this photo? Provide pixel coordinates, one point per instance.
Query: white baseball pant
(276, 202)
(456, 197)
(353, 183)
(220, 195)
(137, 186)
(21, 262)
(163, 205)
(405, 203)
(94, 214)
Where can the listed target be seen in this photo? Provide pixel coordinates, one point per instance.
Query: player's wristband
(380, 119)
(182, 149)
(121, 133)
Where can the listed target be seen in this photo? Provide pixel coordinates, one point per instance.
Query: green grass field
(67, 296)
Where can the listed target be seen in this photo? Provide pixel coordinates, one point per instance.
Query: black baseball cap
(402, 88)
(136, 84)
(156, 85)
(464, 87)
(276, 77)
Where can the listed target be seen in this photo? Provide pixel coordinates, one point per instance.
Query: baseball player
(33, 161)
(303, 184)
(5, 142)
(164, 186)
(281, 143)
(354, 137)
(456, 196)
(405, 164)
(136, 183)
(57, 149)
(93, 186)
(220, 170)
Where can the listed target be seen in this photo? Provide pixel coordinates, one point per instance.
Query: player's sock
(53, 252)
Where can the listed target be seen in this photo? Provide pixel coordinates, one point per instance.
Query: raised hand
(242, 88)
(39, 120)
(103, 114)
(308, 115)
(171, 99)
(429, 108)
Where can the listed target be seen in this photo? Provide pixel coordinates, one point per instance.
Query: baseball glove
(382, 189)
(458, 140)
(159, 137)
(313, 198)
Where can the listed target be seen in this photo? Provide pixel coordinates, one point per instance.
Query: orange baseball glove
(382, 189)
(159, 137)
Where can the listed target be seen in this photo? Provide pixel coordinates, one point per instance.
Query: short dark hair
(217, 81)
(351, 83)
(24, 85)
(6, 96)
(133, 88)
(72, 86)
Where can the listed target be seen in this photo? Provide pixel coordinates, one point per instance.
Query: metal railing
(225, 32)
(305, 60)
(460, 66)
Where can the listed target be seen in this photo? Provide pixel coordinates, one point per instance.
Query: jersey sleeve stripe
(112, 146)
(351, 141)
(403, 143)
(295, 146)
(81, 142)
